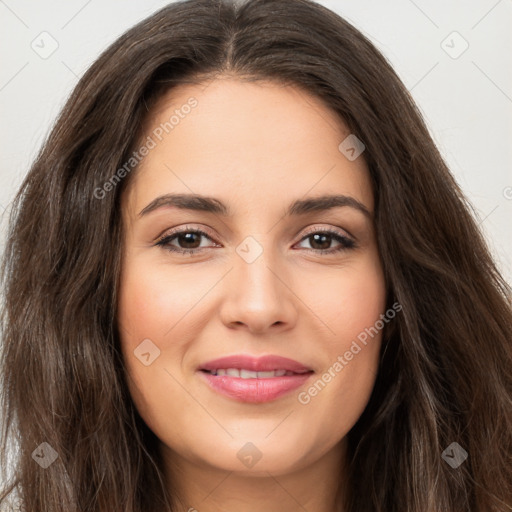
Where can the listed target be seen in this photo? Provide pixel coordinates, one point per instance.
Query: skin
(256, 147)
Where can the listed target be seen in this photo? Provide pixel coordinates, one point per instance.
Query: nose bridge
(258, 295)
(254, 263)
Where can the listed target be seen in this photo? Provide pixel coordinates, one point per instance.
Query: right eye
(186, 237)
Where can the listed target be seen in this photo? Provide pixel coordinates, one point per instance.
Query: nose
(258, 296)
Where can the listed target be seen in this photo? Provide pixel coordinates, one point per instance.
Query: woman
(371, 372)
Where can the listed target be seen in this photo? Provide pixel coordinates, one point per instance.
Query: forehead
(249, 142)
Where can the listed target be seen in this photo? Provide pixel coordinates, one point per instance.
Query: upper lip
(260, 364)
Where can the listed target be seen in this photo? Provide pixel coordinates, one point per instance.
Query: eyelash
(346, 243)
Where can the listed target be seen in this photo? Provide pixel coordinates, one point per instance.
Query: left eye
(326, 237)
(191, 237)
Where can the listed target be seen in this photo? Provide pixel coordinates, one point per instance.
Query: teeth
(262, 375)
(248, 374)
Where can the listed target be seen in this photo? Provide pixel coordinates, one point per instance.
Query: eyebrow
(212, 205)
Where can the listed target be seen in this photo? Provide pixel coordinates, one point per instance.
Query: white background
(467, 101)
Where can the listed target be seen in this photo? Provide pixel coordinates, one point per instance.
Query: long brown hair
(446, 367)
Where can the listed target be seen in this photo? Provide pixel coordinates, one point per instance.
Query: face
(258, 278)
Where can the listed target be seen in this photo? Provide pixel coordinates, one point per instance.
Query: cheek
(350, 301)
(152, 306)
(352, 308)
(152, 302)
(360, 325)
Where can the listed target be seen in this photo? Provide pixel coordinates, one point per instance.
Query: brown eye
(320, 241)
(188, 240)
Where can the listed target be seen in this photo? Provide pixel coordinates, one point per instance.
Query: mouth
(254, 380)
(247, 363)
(243, 373)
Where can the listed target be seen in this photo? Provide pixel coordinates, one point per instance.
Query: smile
(249, 374)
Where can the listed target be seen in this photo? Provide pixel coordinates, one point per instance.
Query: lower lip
(255, 390)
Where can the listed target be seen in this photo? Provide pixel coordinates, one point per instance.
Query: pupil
(188, 239)
(325, 237)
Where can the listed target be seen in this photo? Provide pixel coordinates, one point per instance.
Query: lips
(247, 379)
